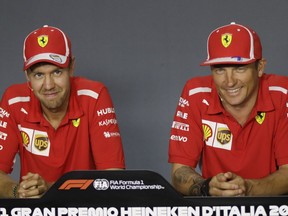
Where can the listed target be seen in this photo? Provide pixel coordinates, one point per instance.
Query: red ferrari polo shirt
(202, 131)
(87, 138)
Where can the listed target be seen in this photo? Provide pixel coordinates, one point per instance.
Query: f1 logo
(81, 184)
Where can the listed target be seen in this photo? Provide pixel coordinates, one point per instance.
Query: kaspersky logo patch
(226, 39)
(217, 135)
(42, 40)
(260, 117)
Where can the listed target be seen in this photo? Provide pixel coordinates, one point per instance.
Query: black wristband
(14, 191)
(204, 190)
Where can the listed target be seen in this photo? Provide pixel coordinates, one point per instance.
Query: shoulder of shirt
(197, 85)
(277, 83)
(17, 93)
(87, 87)
(19, 89)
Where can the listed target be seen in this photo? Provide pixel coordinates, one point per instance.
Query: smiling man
(55, 121)
(233, 123)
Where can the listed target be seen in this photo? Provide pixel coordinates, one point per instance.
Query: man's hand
(227, 184)
(32, 186)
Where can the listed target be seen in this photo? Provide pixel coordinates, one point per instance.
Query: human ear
(27, 76)
(261, 67)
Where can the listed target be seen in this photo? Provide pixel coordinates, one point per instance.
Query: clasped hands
(228, 184)
(32, 186)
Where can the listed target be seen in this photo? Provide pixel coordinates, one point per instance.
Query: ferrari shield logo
(260, 117)
(226, 39)
(42, 40)
(76, 122)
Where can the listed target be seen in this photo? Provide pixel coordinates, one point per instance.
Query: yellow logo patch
(260, 117)
(42, 40)
(226, 39)
(76, 122)
(207, 131)
(25, 138)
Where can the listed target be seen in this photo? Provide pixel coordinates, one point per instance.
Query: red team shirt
(87, 138)
(203, 131)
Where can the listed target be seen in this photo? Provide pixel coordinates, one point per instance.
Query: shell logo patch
(25, 138)
(76, 122)
(41, 142)
(260, 117)
(223, 135)
(226, 39)
(207, 131)
(42, 40)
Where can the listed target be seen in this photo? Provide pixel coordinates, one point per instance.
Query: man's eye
(218, 71)
(38, 75)
(241, 69)
(57, 73)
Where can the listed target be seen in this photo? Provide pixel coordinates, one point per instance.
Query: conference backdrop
(143, 51)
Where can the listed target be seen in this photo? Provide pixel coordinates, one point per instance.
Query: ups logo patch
(223, 135)
(41, 142)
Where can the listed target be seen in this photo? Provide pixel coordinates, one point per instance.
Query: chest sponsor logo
(178, 138)
(217, 135)
(107, 122)
(35, 141)
(207, 131)
(223, 135)
(183, 102)
(180, 126)
(3, 124)
(260, 117)
(182, 115)
(4, 113)
(41, 142)
(24, 111)
(111, 134)
(3, 135)
(204, 101)
(76, 122)
(105, 111)
(25, 138)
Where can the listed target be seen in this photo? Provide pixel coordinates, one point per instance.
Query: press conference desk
(133, 193)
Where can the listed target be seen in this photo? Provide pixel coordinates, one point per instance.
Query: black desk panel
(133, 193)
